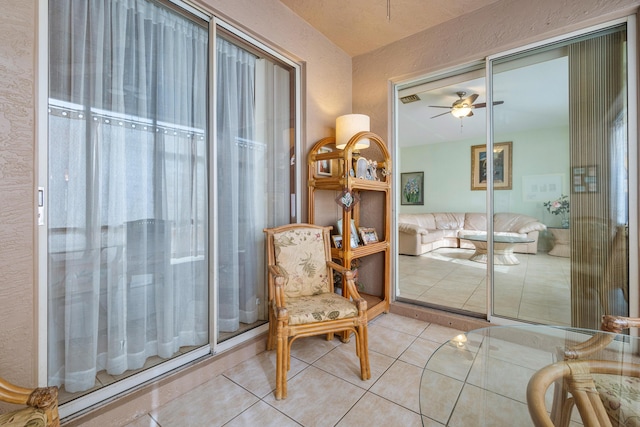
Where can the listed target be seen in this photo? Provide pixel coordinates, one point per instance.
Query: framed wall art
(502, 158)
(412, 188)
(585, 179)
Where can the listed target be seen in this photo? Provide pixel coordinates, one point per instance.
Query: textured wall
(501, 26)
(17, 169)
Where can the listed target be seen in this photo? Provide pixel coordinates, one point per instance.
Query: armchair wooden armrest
(613, 324)
(42, 398)
(350, 284)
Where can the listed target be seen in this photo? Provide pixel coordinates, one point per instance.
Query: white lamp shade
(349, 125)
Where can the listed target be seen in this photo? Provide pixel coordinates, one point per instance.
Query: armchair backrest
(301, 252)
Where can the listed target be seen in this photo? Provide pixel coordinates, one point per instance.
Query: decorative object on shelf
(412, 184)
(560, 207)
(349, 125)
(325, 168)
(502, 155)
(368, 235)
(585, 179)
(347, 199)
(355, 241)
(337, 241)
(366, 169)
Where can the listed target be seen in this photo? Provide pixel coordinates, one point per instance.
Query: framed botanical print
(502, 156)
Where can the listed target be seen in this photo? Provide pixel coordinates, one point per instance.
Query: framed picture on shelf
(502, 156)
(412, 185)
(368, 235)
(355, 241)
(362, 167)
(585, 179)
(324, 167)
(337, 241)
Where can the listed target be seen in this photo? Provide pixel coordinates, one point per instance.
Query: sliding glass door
(127, 189)
(156, 210)
(254, 123)
(571, 169)
(528, 219)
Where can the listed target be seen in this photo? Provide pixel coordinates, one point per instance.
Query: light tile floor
(536, 290)
(324, 386)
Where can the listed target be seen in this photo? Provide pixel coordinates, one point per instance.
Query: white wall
(447, 173)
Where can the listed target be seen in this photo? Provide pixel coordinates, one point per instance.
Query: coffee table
(502, 247)
(480, 378)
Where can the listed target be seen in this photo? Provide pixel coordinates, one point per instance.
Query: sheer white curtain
(127, 187)
(240, 189)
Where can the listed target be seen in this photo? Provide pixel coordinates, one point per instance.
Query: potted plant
(559, 207)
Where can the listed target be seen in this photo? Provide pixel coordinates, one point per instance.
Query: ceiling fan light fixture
(460, 112)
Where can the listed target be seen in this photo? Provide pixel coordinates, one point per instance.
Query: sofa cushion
(475, 221)
(516, 223)
(424, 220)
(449, 220)
(411, 228)
(432, 236)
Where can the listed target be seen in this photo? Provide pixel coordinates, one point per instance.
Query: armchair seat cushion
(27, 417)
(621, 398)
(319, 308)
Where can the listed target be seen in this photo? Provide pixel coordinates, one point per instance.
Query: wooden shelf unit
(372, 210)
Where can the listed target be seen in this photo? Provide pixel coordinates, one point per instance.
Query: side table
(561, 242)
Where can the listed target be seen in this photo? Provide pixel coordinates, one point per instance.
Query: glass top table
(480, 378)
(503, 246)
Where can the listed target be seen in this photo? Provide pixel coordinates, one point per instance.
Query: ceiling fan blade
(470, 114)
(441, 115)
(469, 100)
(439, 106)
(484, 104)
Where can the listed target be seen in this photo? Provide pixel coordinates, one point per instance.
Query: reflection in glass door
(569, 166)
(557, 170)
(436, 134)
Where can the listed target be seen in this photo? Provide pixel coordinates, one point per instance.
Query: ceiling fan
(463, 107)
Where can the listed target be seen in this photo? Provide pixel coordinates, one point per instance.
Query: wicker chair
(578, 377)
(617, 411)
(302, 302)
(41, 410)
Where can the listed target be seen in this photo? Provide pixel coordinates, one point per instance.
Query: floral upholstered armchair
(302, 301)
(41, 410)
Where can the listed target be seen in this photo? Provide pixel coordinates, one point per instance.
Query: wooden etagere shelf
(365, 174)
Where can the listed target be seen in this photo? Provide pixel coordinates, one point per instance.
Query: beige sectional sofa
(424, 232)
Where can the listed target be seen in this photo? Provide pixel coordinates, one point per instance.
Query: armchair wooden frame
(562, 402)
(42, 398)
(576, 375)
(282, 333)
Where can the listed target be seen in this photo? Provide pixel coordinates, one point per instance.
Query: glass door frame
(632, 156)
(42, 152)
(632, 72)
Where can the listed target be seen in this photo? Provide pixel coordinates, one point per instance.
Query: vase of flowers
(559, 207)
